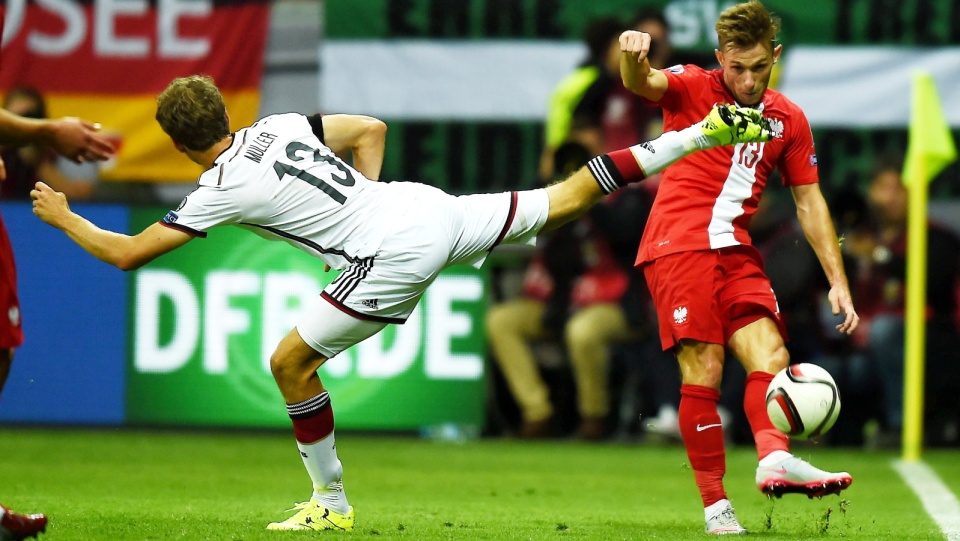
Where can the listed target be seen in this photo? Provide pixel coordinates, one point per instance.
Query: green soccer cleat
(727, 124)
(311, 515)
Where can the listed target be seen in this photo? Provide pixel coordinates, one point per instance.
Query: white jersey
(280, 181)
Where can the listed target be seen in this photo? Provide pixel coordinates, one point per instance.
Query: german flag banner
(107, 61)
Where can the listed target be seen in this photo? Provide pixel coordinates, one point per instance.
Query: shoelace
(728, 518)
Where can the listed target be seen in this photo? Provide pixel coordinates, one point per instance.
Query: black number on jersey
(286, 169)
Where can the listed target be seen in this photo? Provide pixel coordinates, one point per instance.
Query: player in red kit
(706, 278)
(77, 140)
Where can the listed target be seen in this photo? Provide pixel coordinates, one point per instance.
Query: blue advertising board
(71, 367)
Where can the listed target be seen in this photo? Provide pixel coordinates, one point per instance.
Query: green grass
(158, 485)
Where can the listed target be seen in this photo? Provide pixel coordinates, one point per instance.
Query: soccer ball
(803, 401)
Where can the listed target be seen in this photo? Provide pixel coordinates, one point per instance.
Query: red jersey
(706, 199)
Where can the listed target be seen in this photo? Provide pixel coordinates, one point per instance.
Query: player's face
(746, 72)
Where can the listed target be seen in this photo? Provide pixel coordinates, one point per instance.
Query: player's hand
(78, 140)
(636, 44)
(840, 300)
(49, 205)
(3, 170)
(326, 268)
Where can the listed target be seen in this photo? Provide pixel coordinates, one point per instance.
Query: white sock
(715, 508)
(774, 457)
(621, 167)
(654, 156)
(326, 472)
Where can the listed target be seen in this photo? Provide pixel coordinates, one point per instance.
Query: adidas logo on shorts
(369, 303)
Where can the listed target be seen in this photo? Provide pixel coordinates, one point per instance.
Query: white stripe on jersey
(737, 188)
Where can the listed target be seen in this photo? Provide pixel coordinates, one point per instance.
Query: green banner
(207, 317)
(903, 22)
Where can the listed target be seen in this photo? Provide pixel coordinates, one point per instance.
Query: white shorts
(436, 231)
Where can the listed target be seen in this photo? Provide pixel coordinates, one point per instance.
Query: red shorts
(709, 295)
(11, 334)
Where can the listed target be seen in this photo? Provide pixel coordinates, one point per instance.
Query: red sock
(703, 438)
(767, 437)
(312, 419)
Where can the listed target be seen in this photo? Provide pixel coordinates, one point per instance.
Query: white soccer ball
(803, 401)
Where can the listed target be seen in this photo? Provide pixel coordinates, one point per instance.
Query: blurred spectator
(609, 116)
(793, 269)
(879, 252)
(841, 355)
(600, 37)
(624, 120)
(581, 284)
(26, 165)
(572, 292)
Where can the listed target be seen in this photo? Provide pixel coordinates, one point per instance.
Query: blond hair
(745, 25)
(191, 111)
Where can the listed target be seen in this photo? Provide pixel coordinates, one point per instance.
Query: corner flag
(930, 148)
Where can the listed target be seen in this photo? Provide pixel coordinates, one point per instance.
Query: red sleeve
(676, 86)
(798, 163)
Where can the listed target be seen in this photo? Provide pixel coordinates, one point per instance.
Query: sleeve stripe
(185, 229)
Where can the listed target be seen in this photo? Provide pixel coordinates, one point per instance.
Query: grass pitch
(159, 485)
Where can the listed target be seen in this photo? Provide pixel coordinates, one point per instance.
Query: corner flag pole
(914, 316)
(930, 148)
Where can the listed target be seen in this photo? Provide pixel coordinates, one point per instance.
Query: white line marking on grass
(941, 504)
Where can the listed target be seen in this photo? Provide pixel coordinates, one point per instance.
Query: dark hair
(598, 35)
(648, 13)
(569, 157)
(886, 162)
(40, 105)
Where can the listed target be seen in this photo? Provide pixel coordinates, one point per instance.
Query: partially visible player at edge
(283, 178)
(707, 281)
(76, 139)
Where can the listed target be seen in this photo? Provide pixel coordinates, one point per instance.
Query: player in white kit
(283, 179)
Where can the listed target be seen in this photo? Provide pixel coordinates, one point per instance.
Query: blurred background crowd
(571, 348)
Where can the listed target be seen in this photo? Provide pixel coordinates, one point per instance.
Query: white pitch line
(940, 503)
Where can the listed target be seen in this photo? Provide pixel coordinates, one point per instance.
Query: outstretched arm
(74, 138)
(817, 225)
(363, 136)
(122, 251)
(635, 69)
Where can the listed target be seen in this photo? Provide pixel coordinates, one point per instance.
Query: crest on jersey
(680, 315)
(675, 69)
(776, 128)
